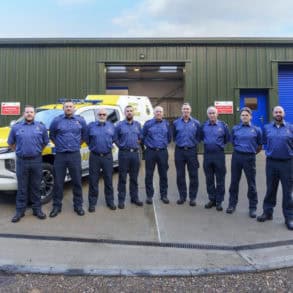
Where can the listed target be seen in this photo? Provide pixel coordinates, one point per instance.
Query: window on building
(251, 103)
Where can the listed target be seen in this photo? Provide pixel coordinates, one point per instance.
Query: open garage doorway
(162, 83)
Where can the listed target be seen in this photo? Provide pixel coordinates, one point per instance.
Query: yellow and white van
(114, 104)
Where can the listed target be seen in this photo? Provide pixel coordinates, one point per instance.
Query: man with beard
(186, 135)
(100, 138)
(278, 136)
(28, 138)
(68, 132)
(128, 135)
(156, 137)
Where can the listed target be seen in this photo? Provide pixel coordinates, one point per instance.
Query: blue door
(256, 100)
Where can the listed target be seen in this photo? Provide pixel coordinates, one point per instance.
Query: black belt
(244, 153)
(281, 160)
(100, 154)
(157, 149)
(132, 150)
(29, 158)
(185, 148)
(215, 152)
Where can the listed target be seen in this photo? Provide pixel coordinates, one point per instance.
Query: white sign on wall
(10, 108)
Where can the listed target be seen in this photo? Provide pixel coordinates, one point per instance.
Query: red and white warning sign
(10, 108)
(224, 107)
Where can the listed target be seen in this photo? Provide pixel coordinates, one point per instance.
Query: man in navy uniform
(247, 141)
(128, 139)
(68, 132)
(28, 138)
(215, 135)
(186, 134)
(156, 137)
(278, 136)
(100, 138)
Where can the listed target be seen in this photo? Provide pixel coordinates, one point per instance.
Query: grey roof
(142, 41)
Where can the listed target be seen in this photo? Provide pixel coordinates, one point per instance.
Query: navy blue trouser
(72, 162)
(245, 161)
(214, 166)
(128, 163)
(159, 158)
(183, 158)
(279, 170)
(29, 176)
(98, 163)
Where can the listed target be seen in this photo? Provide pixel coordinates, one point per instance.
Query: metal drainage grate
(151, 243)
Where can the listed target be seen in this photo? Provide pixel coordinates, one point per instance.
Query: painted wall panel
(41, 73)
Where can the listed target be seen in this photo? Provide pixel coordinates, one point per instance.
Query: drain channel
(150, 243)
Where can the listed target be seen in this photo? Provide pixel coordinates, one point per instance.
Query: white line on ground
(157, 221)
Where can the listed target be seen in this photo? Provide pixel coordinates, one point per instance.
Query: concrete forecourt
(154, 239)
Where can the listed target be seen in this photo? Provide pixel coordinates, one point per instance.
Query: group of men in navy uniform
(68, 131)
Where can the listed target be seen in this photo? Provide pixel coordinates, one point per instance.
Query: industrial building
(256, 72)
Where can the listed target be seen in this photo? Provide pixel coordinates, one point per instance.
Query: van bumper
(8, 184)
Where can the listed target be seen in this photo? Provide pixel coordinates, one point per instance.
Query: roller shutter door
(286, 90)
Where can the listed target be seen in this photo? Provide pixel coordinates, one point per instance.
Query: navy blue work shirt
(279, 140)
(214, 136)
(68, 133)
(246, 138)
(186, 134)
(156, 133)
(128, 134)
(29, 138)
(100, 137)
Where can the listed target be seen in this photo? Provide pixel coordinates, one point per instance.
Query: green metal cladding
(38, 71)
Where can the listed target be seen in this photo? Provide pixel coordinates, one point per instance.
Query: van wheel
(47, 183)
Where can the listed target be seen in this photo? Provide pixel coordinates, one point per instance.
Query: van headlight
(10, 165)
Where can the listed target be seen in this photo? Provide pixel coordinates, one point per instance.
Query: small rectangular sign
(224, 107)
(10, 108)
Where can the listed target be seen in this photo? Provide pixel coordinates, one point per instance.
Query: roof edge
(143, 41)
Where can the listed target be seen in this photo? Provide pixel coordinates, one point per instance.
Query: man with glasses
(215, 135)
(128, 134)
(100, 138)
(186, 135)
(156, 137)
(68, 132)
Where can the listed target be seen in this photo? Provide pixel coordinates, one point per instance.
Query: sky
(145, 18)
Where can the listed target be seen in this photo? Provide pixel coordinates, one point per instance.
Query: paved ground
(153, 240)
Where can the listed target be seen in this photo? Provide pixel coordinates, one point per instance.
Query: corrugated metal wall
(40, 74)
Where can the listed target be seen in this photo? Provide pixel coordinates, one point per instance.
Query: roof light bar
(73, 100)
